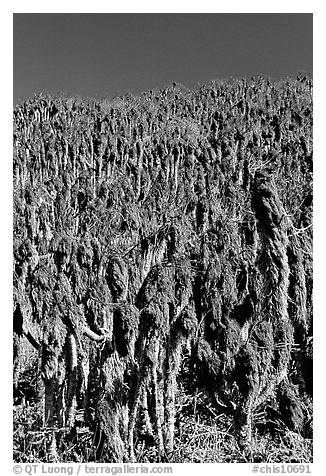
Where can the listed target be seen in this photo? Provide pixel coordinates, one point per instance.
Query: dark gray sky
(106, 54)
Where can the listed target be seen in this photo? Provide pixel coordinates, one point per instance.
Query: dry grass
(199, 439)
(211, 439)
(203, 434)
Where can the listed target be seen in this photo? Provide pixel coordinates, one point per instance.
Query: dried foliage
(149, 232)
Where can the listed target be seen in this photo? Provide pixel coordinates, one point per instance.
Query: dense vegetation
(162, 271)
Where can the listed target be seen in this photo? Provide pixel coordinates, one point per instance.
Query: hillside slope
(163, 244)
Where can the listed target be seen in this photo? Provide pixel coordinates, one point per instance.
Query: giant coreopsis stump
(156, 230)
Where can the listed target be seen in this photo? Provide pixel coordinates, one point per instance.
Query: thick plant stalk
(174, 357)
(158, 401)
(135, 401)
(92, 335)
(144, 405)
(60, 397)
(245, 419)
(273, 264)
(72, 380)
(52, 448)
(132, 422)
(30, 338)
(49, 386)
(49, 389)
(16, 359)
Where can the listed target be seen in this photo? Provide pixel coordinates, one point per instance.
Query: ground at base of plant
(198, 439)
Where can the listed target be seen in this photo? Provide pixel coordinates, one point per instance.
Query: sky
(109, 54)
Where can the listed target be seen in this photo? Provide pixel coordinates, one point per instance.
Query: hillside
(162, 250)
